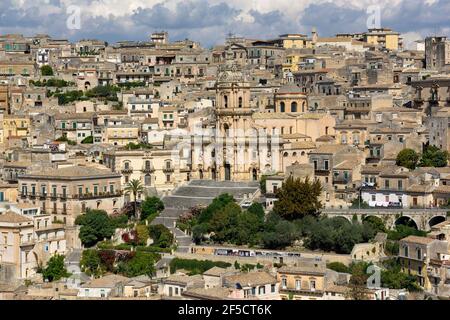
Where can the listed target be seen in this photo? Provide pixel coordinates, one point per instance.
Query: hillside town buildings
(172, 114)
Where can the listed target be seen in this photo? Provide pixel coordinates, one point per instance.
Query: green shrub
(338, 267)
(196, 266)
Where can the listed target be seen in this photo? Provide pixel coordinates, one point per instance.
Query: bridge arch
(406, 221)
(436, 220)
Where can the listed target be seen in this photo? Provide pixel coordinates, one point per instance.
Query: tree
(257, 209)
(151, 207)
(298, 198)
(46, 71)
(161, 236)
(376, 223)
(91, 263)
(55, 269)
(141, 264)
(434, 157)
(407, 158)
(134, 187)
(88, 140)
(338, 267)
(95, 226)
(357, 288)
(263, 184)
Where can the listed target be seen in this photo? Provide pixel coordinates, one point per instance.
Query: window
(419, 253)
(282, 107)
(298, 284)
(111, 188)
(284, 283)
(262, 290)
(272, 288)
(240, 102)
(400, 185)
(312, 285)
(294, 107)
(225, 101)
(326, 165)
(386, 184)
(315, 164)
(405, 251)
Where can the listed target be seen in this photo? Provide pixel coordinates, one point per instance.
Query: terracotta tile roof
(218, 293)
(347, 165)
(304, 269)
(251, 279)
(215, 271)
(11, 217)
(419, 240)
(72, 173)
(108, 281)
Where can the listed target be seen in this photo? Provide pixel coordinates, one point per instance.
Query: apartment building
(68, 192)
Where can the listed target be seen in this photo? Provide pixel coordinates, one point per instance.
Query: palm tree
(134, 186)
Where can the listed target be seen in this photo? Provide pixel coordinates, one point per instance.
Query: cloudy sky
(209, 21)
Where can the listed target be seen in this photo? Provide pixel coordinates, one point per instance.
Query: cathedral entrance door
(227, 172)
(255, 174)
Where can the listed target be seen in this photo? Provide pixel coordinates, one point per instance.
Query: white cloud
(209, 20)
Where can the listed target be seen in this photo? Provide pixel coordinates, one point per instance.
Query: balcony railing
(322, 171)
(148, 170)
(340, 181)
(127, 170)
(168, 169)
(100, 195)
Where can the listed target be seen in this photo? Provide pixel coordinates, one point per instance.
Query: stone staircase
(195, 193)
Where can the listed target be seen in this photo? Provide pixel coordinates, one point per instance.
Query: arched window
(147, 165)
(294, 106)
(148, 180)
(225, 101)
(285, 154)
(303, 153)
(304, 105)
(282, 106)
(127, 165)
(240, 102)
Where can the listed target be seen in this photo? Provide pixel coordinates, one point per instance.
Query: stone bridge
(424, 219)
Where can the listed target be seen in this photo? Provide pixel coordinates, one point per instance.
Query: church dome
(290, 88)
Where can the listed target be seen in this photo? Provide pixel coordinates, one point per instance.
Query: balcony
(126, 170)
(168, 169)
(100, 195)
(148, 169)
(322, 172)
(340, 181)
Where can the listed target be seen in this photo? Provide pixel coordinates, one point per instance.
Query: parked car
(395, 205)
(246, 204)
